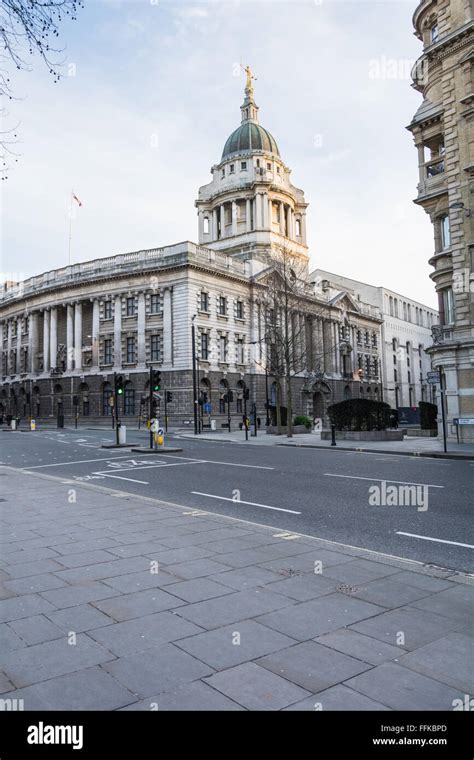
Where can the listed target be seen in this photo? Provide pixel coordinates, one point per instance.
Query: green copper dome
(250, 136)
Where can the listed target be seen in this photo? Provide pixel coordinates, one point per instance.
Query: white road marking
(240, 501)
(386, 480)
(230, 464)
(108, 475)
(437, 540)
(80, 461)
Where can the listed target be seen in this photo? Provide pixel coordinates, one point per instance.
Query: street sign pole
(245, 416)
(116, 410)
(442, 390)
(150, 411)
(166, 411)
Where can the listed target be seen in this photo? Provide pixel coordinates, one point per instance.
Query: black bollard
(333, 435)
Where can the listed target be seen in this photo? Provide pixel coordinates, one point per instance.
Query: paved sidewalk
(238, 615)
(410, 446)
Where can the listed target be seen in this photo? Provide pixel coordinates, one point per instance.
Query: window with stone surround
(155, 303)
(240, 350)
(154, 348)
(204, 345)
(129, 401)
(445, 232)
(108, 312)
(239, 309)
(108, 353)
(204, 301)
(222, 306)
(130, 306)
(130, 350)
(223, 346)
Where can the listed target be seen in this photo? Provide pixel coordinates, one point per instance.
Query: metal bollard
(333, 435)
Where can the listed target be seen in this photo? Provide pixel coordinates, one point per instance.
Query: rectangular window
(204, 346)
(107, 394)
(448, 306)
(131, 307)
(206, 225)
(204, 301)
(434, 33)
(155, 303)
(108, 351)
(239, 309)
(223, 173)
(395, 375)
(298, 227)
(269, 166)
(445, 232)
(155, 348)
(107, 309)
(243, 166)
(222, 306)
(232, 168)
(131, 350)
(222, 405)
(25, 360)
(239, 408)
(223, 348)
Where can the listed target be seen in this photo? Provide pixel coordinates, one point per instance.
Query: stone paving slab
(236, 618)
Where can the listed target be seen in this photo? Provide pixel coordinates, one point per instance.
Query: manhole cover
(290, 571)
(344, 588)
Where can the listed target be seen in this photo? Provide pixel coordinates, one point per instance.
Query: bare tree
(28, 27)
(286, 300)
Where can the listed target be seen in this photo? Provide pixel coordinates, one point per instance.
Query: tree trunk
(289, 413)
(278, 407)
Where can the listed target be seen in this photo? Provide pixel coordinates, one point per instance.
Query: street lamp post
(195, 400)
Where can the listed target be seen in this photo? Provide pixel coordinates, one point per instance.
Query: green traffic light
(157, 387)
(120, 392)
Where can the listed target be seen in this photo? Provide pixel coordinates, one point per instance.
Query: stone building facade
(443, 131)
(64, 333)
(406, 334)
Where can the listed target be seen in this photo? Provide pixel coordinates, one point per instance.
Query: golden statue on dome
(250, 76)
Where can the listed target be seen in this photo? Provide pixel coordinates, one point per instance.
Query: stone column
(265, 210)
(234, 218)
(201, 225)
(337, 355)
(18, 346)
(9, 346)
(118, 332)
(214, 224)
(328, 346)
(421, 161)
(70, 337)
(141, 352)
(303, 228)
(95, 332)
(53, 341)
(33, 341)
(282, 218)
(222, 216)
(46, 364)
(247, 214)
(78, 335)
(167, 327)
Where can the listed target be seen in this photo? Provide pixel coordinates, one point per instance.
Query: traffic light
(119, 385)
(169, 397)
(156, 380)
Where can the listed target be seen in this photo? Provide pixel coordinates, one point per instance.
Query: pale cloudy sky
(154, 96)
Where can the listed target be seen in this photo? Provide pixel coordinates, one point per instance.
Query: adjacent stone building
(65, 332)
(406, 334)
(443, 131)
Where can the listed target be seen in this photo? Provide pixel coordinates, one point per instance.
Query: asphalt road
(312, 491)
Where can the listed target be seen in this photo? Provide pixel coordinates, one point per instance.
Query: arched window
(106, 396)
(129, 400)
(223, 390)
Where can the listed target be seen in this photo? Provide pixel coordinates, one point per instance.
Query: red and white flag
(75, 198)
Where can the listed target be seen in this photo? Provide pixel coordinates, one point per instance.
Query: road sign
(465, 421)
(432, 378)
(207, 408)
(160, 431)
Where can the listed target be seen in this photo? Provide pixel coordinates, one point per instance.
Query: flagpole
(70, 229)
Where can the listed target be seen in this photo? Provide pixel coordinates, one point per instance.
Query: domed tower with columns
(251, 207)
